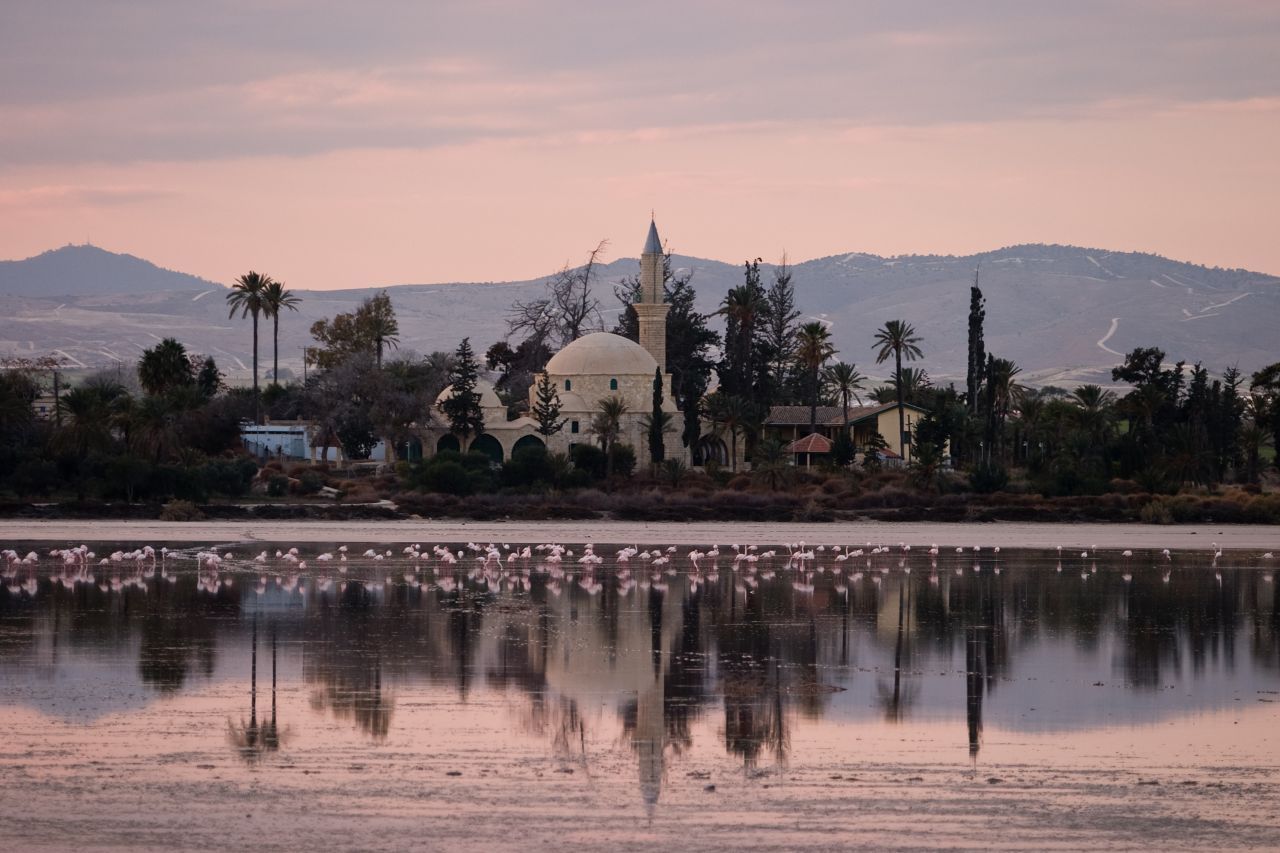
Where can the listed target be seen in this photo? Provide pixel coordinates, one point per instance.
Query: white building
(592, 368)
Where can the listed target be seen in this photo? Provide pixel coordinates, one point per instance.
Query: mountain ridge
(1064, 313)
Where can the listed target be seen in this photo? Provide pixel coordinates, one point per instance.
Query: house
(790, 424)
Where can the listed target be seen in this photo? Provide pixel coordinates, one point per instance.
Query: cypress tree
(977, 347)
(546, 407)
(462, 408)
(657, 445)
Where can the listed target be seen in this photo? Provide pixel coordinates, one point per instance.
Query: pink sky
(334, 147)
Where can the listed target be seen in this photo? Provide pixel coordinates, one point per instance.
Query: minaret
(651, 310)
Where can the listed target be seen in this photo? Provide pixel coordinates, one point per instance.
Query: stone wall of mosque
(579, 401)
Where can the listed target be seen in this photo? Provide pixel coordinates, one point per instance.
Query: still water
(637, 697)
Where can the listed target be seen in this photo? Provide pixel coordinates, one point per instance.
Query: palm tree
(770, 462)
(86, 417)
(380, 318)
(847, 381)
(165, 367)
(607, 424)
(897, 338)
(1095, 409)
(155, 432)
(741, 306)
(1004, 393)
(813, 348)
(248, 296)
(275, 297)
(728, 413)
(914, 381)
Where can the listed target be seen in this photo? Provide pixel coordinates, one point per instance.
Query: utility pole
(57, 409)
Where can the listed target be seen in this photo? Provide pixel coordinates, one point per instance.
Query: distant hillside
(88, 270)
(1064, 314)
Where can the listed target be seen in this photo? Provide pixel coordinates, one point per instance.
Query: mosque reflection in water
(767, 651)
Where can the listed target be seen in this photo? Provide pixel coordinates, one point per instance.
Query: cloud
(92, 196)
(138, 81)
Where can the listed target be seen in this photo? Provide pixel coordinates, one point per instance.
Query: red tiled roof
(827, 415)
(811, 443)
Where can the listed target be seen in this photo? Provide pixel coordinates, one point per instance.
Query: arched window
(568, 385)
(613, 384)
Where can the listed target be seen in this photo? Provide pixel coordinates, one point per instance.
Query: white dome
(488, 396)
(602, 354)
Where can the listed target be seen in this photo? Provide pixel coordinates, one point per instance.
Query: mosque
(592, 368)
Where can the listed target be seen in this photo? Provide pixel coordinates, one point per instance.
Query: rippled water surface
(458, 698)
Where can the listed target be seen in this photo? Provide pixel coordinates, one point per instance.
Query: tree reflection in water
(252, 739)
(733, 644)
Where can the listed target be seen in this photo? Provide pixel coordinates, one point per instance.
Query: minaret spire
(651, 308)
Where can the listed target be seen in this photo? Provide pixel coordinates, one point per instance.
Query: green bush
(988, 478)
(278, 486)
(448, 477)
(529, 467)
(35, 477)
(310, 482)
(624, 460)
(589, 458)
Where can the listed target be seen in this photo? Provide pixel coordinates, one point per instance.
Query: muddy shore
(1003, 534)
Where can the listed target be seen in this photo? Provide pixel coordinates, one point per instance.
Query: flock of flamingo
(511, 567)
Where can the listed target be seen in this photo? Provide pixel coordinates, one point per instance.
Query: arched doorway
(710, 448)
(449, 441)
(526, 441)
(489, 446)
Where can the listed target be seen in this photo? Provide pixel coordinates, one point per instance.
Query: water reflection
(758, 648)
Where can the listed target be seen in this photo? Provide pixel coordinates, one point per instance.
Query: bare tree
(566, 312)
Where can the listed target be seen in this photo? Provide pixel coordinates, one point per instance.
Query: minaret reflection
(973, 688)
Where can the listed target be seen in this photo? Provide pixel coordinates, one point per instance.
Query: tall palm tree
(381, 325)
(276, 297)
(847, 381)
(1003, 395)
(813, 348)
(607, 424)
(741, 306)
(899, 339)
(248, 296)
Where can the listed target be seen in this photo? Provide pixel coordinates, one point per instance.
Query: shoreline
(1177, 537)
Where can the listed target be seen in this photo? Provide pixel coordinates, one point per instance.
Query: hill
(1063, 313)
(87, 271)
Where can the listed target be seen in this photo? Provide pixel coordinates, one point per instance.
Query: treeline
(168, 426)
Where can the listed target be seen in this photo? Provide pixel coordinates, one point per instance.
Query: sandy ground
(1003, 534)
(454, 777)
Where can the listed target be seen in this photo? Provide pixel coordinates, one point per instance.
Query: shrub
(35, 477)
(529, 466)
(1156, 512)
(278, 486)
(624, 459)
(988, 478)
(589, 458)
(310, 482)
(178, 510)
(448, 477)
